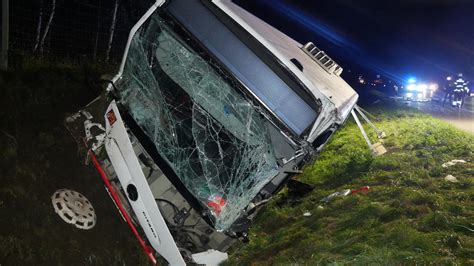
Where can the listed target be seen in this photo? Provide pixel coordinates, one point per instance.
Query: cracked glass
(215, 139)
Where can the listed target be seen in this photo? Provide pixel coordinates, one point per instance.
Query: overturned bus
(212, 111)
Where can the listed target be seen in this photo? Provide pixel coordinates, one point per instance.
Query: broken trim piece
(210, 257)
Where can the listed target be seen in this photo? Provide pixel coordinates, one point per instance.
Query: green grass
(410, 215)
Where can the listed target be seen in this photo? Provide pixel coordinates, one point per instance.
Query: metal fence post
(5, 28)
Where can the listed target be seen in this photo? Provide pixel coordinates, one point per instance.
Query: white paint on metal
(320, 57)
(362, 130)
(377, 148)
(129, 172)
(380, 133)
(337, 97)
(99, 139)
(134, 30)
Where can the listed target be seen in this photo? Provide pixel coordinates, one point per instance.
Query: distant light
(433, 86)
(449, 78)
(411, 87)
(411, 80)
(422, 87)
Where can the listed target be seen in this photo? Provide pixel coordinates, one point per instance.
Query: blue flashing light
(412, 80)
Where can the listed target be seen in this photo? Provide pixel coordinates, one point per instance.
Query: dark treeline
(92, 29)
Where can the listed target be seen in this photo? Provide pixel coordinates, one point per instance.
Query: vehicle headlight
(422, 87)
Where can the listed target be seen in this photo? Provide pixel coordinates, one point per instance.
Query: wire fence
(93, 30)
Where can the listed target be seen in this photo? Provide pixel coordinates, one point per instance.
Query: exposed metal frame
(380, 133)
(134, 30)
(362, 130)
(377, 148)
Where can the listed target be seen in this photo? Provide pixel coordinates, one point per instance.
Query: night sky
(429, 39)
(425, 38)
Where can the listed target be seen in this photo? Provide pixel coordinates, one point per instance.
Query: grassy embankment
(411, 214)
(39, 156)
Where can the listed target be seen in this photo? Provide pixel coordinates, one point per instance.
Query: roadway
(461, 119)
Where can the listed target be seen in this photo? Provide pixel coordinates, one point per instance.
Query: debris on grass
(379, 149)
(413, 216)
(335, 195)
(363, 189)
(74, 208)
(452, 162)
(344, 193)
(451, 179)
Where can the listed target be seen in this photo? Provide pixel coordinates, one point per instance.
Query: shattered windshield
(214, 138)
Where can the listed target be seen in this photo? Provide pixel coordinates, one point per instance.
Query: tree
(112, 29)
(97, 32)
(38, 28)
(48, 26)
(5, 32)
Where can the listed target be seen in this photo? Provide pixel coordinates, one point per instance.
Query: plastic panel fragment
(215, 139)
